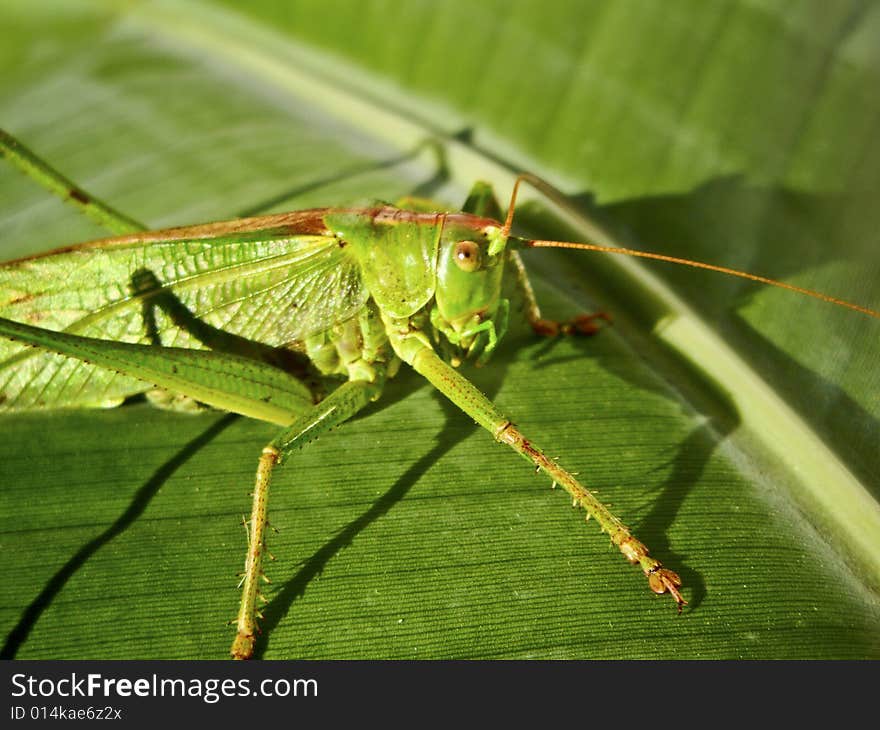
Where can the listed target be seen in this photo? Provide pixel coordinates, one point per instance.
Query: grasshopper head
(469, 312)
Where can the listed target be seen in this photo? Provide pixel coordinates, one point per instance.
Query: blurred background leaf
(737, 132)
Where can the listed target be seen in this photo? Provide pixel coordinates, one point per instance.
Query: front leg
(583, 324)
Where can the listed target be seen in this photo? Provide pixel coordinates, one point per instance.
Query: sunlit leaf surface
(739, 132)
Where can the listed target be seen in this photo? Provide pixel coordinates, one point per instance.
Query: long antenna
(557, 196)
(701, 265)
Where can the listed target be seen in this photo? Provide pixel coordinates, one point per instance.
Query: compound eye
(467, 255)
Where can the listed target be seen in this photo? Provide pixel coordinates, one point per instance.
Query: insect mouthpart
(470, 337)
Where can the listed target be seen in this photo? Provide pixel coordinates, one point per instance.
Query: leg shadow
(135, 509)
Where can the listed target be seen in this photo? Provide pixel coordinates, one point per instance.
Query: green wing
(275, 289)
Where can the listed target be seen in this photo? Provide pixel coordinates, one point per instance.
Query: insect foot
(584, 324)
(661, 580)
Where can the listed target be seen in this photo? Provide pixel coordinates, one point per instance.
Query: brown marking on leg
(80, 196)
(21, 299)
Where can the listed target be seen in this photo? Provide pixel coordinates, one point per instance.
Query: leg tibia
(583, 324)
(243, 646)
(338, 407)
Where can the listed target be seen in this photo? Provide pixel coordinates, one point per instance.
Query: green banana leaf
(733, 426)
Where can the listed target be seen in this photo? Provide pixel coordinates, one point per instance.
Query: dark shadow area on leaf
(770, 231)
(689, 463)
(767, 230)
(777, 233)
(135, 509)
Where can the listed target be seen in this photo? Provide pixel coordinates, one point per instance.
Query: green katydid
(407, 285)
